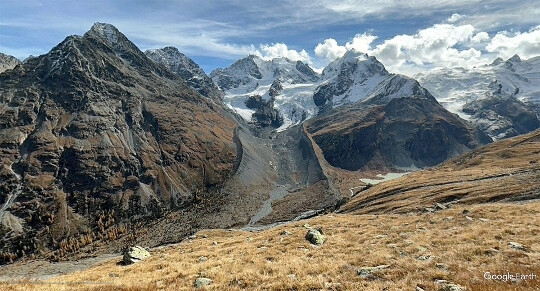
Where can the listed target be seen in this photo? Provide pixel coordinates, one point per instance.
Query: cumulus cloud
(361, 42)
(480, 37)
(525, 44)
(455, 17)
(280, 50)
(441, 45)
(435, 45)
(330, 49)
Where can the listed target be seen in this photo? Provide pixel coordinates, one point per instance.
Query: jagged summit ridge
(8, 62)
(253, 76)
(357, 77)
(106, 31)
(186, 68)
(252, 71)
(352, 78)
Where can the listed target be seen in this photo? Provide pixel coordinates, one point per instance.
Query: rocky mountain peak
(106, 31)
(114, 39)
(353, 62)
(96, 118)
(514, 59)
(7, 62)
(175, 60)
(497, 61)
(186, 68)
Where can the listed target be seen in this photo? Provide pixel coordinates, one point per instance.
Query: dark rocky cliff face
(502, 116)
(94, 134)
(406, 132)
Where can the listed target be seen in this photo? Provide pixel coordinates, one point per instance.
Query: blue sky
(406, 37)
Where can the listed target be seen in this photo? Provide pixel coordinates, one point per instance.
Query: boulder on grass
(135, 254)
(315, 237)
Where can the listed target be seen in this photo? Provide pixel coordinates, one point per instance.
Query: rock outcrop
(202, 282)
(502, 116)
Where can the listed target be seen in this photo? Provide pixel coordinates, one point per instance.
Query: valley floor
(460, 245)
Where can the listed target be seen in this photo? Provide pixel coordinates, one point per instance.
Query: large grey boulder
(135, 254)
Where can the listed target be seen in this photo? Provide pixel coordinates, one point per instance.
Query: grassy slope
(352, 242)
(508, 170)
(393, 232)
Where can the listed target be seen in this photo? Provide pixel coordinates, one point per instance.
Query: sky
(408, 37)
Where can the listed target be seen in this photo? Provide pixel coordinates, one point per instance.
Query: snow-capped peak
(359, 77)
(353, 59)
(496, 61)
(514, 59)
(354, 55)
(298, 93)
(252, 72)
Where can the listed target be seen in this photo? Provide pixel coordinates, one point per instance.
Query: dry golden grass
(268, 260)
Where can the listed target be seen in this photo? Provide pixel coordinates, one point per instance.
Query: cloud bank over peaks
(441, 45)
(330, 49)
(525, 44)
(280, 50)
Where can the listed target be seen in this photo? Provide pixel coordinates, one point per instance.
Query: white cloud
(455, 17)
(441, 45)
(480, 37)
(434, 45)
(280, 50)
(330, 49)
(525, 44)
(361, 42)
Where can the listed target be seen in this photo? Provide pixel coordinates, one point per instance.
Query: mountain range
(103, 145)
(501, 98)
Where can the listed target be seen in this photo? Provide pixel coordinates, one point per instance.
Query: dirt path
(43, 270)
